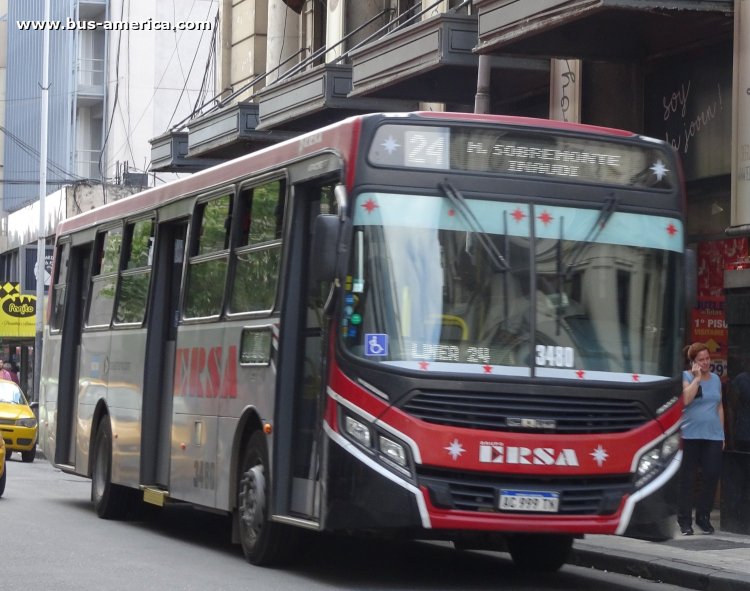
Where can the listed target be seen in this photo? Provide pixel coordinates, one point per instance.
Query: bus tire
(540, 552)
(264, 543)
(111, 501)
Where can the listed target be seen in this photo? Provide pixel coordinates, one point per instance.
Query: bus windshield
(499, 287)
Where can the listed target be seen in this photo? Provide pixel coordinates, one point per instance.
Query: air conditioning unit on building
(135, 179)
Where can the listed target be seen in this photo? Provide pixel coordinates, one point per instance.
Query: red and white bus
(431, 325)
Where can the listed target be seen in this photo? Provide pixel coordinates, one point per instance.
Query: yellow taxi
(2, 467)
(18, 423)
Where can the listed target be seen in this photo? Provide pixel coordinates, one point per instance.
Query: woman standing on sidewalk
(702, 440)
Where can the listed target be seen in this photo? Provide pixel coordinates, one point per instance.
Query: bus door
(160, 353)
(96, 339)
(301, 376)
(72, 327)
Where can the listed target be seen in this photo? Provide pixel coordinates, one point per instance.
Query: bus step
(155, 496)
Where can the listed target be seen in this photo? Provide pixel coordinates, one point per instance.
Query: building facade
(288, 66)
(119, 72)
(672, 70)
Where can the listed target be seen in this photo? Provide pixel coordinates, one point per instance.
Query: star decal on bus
(390, 145)
(545, 218)
(636, 377)
(671, 230)
(423, 365)
(370, 205)
(518, 215)
(455, 449)
(487, 369)
(600, 455)
(580, 373)
(659, 170)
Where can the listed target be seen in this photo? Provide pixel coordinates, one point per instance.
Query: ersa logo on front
(496, 452)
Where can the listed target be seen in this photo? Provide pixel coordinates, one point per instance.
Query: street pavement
(717, 562)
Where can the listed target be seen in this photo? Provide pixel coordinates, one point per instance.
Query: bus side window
(135, 276)
(207, 268)
(104, 277)
(257, 255)
(60, 286)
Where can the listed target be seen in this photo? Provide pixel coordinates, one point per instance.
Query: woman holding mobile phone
(702, 440)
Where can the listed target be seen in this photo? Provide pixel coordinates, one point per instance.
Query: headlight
(386, 448)
(357, 430)
(393, 451)
(656, 459)
(26, 423)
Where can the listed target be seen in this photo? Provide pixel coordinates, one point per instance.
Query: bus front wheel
(540, 552)
(111, 501)
(264, 542)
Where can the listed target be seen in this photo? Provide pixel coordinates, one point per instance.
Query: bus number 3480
(554, 356)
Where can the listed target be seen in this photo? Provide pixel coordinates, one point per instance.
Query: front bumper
(18, 438)
(362, 494)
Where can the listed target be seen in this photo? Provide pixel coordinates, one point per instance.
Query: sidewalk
(718, 562)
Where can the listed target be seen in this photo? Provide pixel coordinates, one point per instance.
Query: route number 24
(554, 356)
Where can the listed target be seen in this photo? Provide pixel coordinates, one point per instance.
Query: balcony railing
(91, 75)
(87, 163)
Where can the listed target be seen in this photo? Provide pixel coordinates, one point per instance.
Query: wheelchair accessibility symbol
(376, 344)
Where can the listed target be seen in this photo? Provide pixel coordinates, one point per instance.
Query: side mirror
(324, 246)
(691, 279)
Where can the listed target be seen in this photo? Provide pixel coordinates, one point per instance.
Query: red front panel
(487, 454)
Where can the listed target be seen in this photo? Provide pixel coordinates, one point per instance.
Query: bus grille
(491, 411)
(480, 492)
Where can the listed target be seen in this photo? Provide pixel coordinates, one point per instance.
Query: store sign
(30, 269)
(708, 318)
(688, 104)
(17, 312)
(709, 326)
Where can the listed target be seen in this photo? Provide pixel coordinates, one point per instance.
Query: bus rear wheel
(540, 552)
(264, 542)
(111, 501)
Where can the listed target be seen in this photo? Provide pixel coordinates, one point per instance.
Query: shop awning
(601, 29)
(317, 97)
(433, 60)
(169, 154)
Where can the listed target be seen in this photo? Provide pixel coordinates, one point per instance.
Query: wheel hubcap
(252, 502)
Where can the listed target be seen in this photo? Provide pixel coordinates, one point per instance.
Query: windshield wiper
(609, 207)
(462, 207)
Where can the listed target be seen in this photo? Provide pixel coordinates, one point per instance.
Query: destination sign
(520, 152)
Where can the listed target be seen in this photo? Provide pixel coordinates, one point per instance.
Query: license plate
(529, 500)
